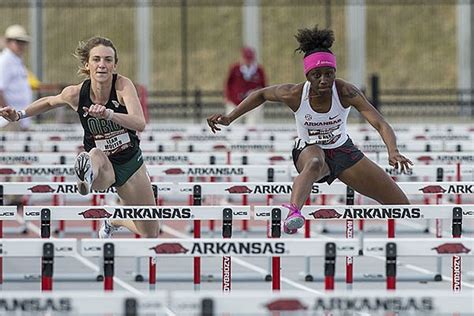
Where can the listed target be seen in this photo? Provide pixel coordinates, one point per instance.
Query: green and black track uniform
(120, 144)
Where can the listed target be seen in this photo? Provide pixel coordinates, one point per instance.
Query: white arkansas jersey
(328, 130)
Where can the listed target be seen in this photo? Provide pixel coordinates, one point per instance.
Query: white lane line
(32, 227)
(246, 264)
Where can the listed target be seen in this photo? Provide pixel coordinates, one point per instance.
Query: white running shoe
(107, 230)
(83, 169)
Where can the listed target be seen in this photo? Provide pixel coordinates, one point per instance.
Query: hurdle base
(236, 232)
(88, 231)
(74, 230)
(375, 230)
(23, 230)
(18, 277)
(209, 278)
(138, 278)
(375, 278)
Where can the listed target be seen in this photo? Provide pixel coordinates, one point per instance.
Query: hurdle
(158, 156)
(229, 188)
(457, 247)
(241, 134)
(68, 189)
(7, 213)
(372, 212)
(208, 303)
(253, 188)
(362, 302)
(44, 158)
(419, 145)
(267, 127)
(48, 250)
(280, 171)
(436, 189)
(218, 248)
(337, 188)
(196, 213)
(390, 248)
(63, 188)
(83, 303)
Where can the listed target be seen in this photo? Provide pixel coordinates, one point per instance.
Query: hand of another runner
(96, 110)
(215, 119)
(9, 113)
(395, 159)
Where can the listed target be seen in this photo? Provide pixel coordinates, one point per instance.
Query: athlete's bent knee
(150, 232)
(96, 151)
(314, 165)
(149, 235)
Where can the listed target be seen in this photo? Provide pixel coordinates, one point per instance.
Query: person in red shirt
(243, 78)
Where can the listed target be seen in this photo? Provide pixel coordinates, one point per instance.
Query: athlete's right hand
(215, 119)
(9, 113)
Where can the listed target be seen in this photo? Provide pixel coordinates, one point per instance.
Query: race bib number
(112, 143)
(323, 137)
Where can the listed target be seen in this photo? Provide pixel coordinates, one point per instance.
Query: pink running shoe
(294, 220)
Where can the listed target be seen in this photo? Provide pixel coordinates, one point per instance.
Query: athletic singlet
(328, 130)
(118, 143)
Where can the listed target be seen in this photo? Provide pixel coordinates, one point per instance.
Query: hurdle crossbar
(46, 249)
(83, 303)
(245, 302)
(371, 212)
(235, 188)
(285, 171)
(136, 212)
(68, 188)
(337, 303)
(221, 157)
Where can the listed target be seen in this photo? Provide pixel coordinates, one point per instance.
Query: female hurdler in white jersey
(323, 151)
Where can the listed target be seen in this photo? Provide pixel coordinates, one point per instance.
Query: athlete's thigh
(137, 190)
(308, 153)
(369, 179)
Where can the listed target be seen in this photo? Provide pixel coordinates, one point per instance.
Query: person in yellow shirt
(34, 82)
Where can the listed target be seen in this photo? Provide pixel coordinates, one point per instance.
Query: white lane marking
(246, 264)
(32, 227)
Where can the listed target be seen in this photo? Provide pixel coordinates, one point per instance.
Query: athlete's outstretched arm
(285, 93)
(353, 96)
(69, 95)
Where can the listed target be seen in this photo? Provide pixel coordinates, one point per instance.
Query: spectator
(244, 77)
(15, 90)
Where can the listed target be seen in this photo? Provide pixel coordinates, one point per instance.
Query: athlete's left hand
(395, 159)
(96, 110)
(9, 113)
(216, 119)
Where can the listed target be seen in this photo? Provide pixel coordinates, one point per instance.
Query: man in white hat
(15, 90)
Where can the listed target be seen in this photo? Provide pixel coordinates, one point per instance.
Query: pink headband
(317, 60)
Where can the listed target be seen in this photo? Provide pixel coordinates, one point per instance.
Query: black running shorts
(338, 159)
